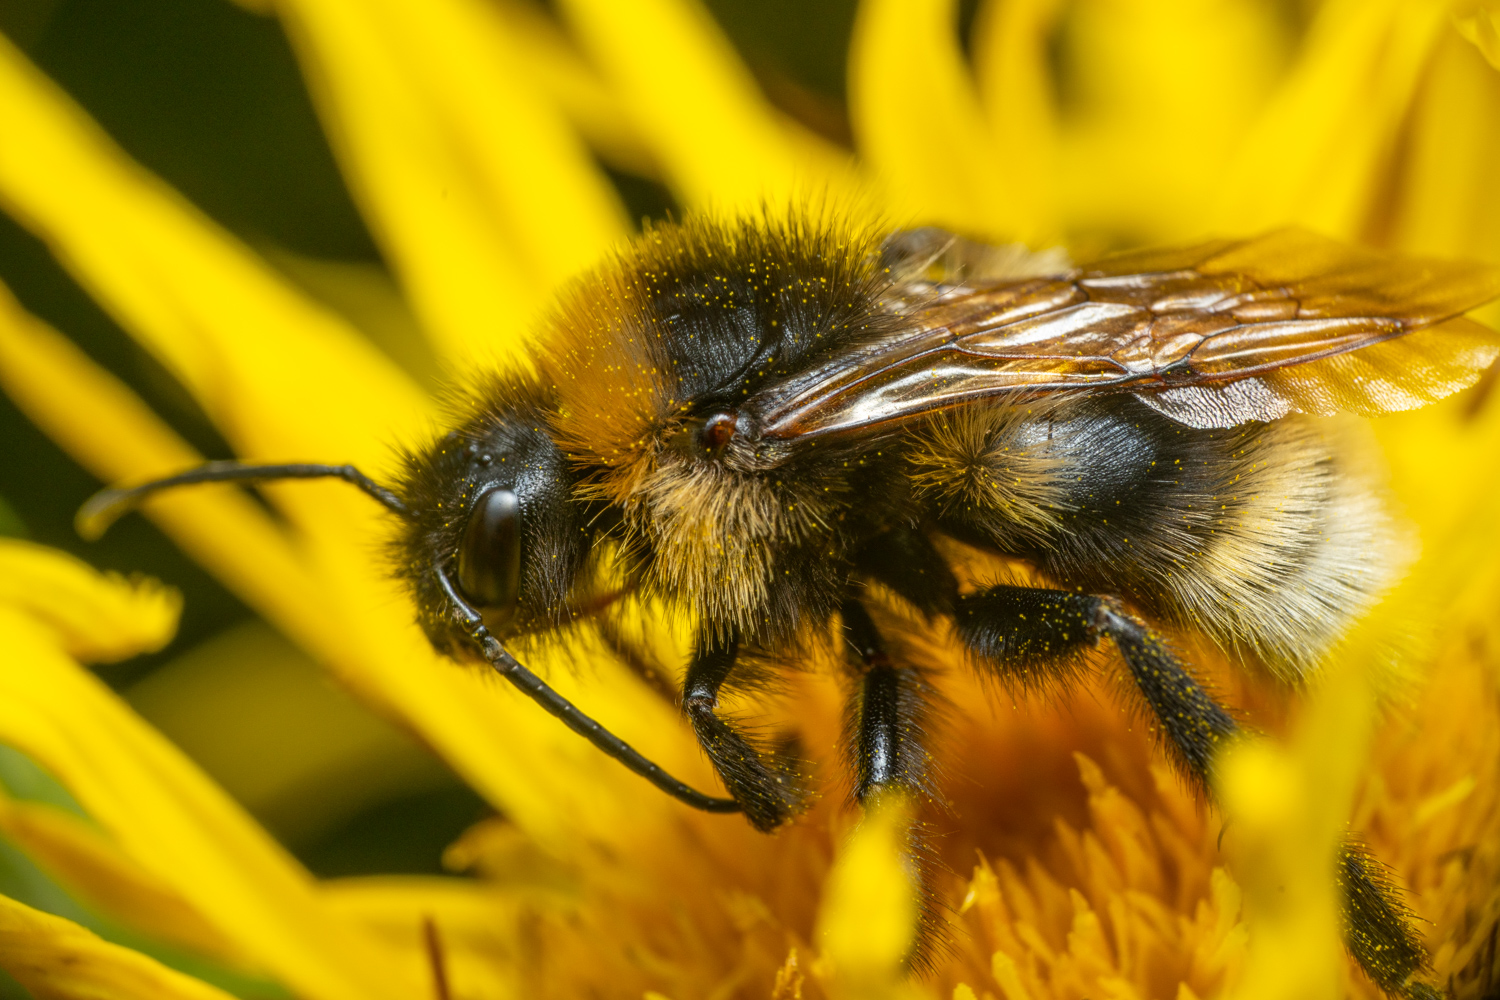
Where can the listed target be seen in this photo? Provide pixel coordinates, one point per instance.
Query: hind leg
(1030, 634)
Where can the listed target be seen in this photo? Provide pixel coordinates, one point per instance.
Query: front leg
(769, 793)
(1033, 635)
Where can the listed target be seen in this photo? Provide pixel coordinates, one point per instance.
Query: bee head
(492, 507)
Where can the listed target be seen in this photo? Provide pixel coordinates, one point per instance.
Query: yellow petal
(261, 718)
(1483, 29)
(1448, 201)
(58, 960)
(474, 930)
(1011, 44)
(177, 826)
(868, 920)
(919, 124)
(1322, 147)
(80, 857)
(1159, 93)
(280, 377)
(700, 110)
(109, 431)
(95, 616)
(554, 62)
(1285, 864)
(480, 193)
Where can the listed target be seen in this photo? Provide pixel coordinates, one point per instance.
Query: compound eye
(489, 558)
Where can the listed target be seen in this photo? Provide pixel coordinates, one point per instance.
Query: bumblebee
(764, 422)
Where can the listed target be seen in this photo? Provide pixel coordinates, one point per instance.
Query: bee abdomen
(1271, 539)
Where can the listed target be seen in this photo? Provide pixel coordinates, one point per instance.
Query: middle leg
(887, 721)
(887, 738)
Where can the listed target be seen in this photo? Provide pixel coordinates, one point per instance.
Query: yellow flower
(466, 130)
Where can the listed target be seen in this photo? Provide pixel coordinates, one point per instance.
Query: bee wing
(1212, 335)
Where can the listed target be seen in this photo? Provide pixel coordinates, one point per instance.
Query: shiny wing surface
(1212, 335)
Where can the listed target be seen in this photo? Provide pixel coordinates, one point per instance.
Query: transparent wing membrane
(1212, 335)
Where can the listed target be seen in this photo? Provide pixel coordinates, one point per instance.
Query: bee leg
(1049, 629)
(1377, 926)
(1194, 724)
(769, 794)
(886, 726)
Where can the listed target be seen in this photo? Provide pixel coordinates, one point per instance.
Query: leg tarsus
(1195, 725)
(1377, 927)
(769, 793)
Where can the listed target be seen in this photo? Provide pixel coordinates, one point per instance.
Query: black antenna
(105, 507)
(538, 690)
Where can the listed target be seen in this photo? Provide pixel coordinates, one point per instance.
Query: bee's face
(495, 510)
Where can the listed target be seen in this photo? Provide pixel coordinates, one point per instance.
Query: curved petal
(96, 617)
(868, 920)
(470, 927)
(720, 143)
(79, 856)
(920, 126)
(1482, 28)
(281, 377)
(1011, 55)
(547, 56)
(55, 959)
(1283, 865)
(177, 825)
(482, 195)
(1448, 203)
(110, 432)
(1322, 148)
(1159, 93)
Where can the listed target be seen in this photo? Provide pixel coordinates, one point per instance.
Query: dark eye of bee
(489, 557)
